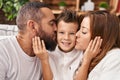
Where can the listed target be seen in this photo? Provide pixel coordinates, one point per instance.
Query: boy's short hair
(68, 15)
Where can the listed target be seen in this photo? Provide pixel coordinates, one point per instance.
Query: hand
(93, 49)
(39, 49)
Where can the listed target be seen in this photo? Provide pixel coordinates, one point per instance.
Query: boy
(65, 59)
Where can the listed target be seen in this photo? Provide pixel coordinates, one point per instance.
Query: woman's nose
(77, 34)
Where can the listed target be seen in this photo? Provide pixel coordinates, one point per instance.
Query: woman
(106, 64)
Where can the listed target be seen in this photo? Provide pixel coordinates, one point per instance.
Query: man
(17, 59)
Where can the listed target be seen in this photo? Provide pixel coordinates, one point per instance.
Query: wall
(70, 3)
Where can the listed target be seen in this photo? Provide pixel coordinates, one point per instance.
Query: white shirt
(15, 64)
(64, 64)
(108, 68)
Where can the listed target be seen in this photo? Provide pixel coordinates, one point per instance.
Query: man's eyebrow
(53, 20)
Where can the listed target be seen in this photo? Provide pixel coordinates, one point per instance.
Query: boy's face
(66, 35)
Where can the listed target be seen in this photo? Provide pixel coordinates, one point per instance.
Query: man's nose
(55, 28)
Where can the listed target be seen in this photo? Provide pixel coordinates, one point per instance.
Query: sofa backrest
(8, 30)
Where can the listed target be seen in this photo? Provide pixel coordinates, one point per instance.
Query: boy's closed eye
(61, 32)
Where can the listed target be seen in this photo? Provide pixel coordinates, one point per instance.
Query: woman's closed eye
(84, 32)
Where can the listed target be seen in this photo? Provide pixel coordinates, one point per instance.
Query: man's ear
(31, 25)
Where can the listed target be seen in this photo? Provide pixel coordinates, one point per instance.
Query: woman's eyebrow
(84, 27)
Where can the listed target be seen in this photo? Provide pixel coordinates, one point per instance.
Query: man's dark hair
(30, 11)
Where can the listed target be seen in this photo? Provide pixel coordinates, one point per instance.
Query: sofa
(8, 30)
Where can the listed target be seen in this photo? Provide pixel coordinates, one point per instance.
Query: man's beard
(50, 43)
